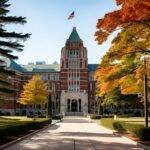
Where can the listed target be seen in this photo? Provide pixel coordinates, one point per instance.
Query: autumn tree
(121, 65)
(9, 42)
(130, 12)
(34, 92)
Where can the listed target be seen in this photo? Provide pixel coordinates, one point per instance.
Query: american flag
(71, 16)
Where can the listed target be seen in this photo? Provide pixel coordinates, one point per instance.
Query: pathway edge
(2, 147)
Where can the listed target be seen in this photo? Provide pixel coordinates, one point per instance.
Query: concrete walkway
(75, 134)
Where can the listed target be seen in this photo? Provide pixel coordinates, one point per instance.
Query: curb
(2, 147)
(135, 142)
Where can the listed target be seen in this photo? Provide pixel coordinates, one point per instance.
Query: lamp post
(145, 59)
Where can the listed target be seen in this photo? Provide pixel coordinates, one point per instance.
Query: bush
(7, 114)
(120, 126)
(126, 115)
(21, 128)
(106, 116)
(136, 129)
(23, 113)
(1, 113)
(57, 117)
(145, 134)
(95, 117)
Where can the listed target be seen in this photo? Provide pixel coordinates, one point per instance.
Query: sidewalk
(76, 134)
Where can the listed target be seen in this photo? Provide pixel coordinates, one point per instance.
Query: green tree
(117, 99)
(9, 42)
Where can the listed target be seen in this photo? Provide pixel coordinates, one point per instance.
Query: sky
(47, 22)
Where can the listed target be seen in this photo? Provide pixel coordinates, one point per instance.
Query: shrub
(95, 117)
(126, 115)
(145, 134)
(57, 117)
(106, 116)
(136, 129)
(23, 113)
(7, 114)
(21, 128)
(1, 113)
(120, 126)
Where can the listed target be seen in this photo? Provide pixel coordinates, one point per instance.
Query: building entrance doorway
(74, 105)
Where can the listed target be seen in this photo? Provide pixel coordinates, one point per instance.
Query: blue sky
(47, 21)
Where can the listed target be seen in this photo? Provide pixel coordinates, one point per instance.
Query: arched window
(68, 105)
(79, 105)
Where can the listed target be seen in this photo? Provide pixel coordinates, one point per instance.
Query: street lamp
(145, 59)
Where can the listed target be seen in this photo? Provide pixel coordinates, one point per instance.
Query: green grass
(6, 121)
(107, 122)
(19, 126)
(133, 120)
(132, 125)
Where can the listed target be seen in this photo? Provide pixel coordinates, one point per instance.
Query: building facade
(71, 83)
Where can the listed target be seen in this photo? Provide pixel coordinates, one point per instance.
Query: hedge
(95, 116)
(137, 129)
(21, 128)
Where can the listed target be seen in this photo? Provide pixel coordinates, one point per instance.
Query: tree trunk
(49, 107)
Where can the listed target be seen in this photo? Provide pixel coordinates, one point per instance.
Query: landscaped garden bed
(12, 128)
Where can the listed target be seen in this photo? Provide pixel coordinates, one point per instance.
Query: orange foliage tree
(121, 65)
(131, 12)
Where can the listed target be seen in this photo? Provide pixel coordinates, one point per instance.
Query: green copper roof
(41, 68)
(74, 37)
(55, 67)
(16, 67)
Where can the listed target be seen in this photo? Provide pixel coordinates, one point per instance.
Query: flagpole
(72, 17)
(74, 22)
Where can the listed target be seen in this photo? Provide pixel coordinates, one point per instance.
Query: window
(66, 64)
(44, 77)
(80, 64)
(73, 53)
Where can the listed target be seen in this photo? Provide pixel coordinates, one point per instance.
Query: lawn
(14, 127)
(15, 120)
(133, 120)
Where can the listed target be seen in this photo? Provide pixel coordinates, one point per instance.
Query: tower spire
(74, 36)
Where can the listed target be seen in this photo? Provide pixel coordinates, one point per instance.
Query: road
(75, 133)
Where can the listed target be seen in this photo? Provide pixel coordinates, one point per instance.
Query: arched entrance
(74, 105)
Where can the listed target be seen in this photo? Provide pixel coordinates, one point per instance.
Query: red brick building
(71, 82)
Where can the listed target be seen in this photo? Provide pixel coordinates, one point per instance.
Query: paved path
(75, 134)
